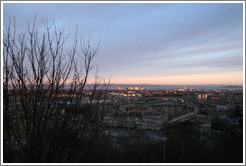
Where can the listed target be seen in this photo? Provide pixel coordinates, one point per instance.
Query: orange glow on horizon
(228, 78)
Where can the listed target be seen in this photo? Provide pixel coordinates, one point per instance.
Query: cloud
(149, 39)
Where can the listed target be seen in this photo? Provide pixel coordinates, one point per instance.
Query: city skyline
(151, 43)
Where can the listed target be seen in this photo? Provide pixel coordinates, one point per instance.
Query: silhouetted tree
(44, 89)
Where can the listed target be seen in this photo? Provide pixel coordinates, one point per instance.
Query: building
(148, 120)
(202, 125)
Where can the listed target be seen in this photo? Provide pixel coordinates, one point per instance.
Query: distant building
(192, 89)
(153, 120)
(221, 108)
(202, 125)
(239, 109)
(202, 96)
(185, 114)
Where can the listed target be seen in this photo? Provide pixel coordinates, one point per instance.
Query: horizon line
(174, 84)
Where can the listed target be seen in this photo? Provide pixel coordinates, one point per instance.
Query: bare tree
(49, 114)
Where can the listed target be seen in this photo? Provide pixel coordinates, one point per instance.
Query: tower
(127, 92)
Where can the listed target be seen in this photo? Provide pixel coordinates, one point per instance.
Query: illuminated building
(203, 96)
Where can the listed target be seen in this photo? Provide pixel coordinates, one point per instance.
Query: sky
(151, 43)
